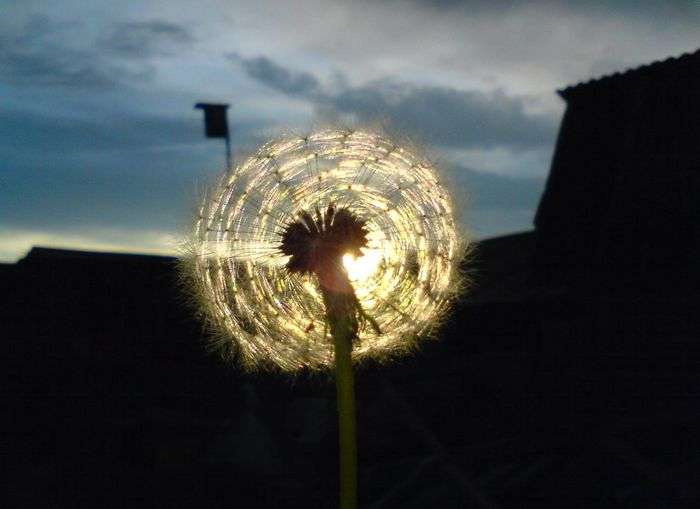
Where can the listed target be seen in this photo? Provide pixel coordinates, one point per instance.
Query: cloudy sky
(100, 147)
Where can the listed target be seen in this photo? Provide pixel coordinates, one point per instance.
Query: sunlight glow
(362, 267)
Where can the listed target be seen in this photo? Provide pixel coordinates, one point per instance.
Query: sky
(101, 148)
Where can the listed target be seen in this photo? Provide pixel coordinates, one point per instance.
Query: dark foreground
(556, 392)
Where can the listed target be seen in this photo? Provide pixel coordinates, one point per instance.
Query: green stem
(341, 313)
(345, 388)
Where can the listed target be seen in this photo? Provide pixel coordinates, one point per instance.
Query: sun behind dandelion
(353, 197)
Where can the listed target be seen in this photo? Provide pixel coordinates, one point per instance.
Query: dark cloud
(54, 67)
(41, 54)
(144, 39)
(445, 116)
(638, 8)
(472, 5)
(37, 56)
(451, 117)
(294, 83)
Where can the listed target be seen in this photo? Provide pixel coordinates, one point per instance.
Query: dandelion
(322, 250)
(268, 313)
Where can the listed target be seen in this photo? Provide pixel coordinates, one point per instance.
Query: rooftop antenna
(216, 125)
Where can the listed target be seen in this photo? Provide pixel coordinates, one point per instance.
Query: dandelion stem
(341, 313)
(345, 388)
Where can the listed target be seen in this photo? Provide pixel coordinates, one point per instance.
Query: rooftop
(689, 59)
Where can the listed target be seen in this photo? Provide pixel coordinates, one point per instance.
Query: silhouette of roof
(39, 254)
(659, 66)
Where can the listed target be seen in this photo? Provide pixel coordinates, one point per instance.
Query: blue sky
(100, 147)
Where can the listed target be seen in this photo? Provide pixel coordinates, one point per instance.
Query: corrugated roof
(690, 58)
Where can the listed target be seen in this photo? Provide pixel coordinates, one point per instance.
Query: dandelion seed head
(400, 248)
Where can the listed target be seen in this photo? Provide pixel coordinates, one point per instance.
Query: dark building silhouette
(621, 199)
(570, 374)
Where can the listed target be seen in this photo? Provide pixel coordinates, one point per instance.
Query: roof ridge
(654, 65)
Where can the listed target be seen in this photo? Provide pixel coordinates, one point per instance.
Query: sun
(361, 268)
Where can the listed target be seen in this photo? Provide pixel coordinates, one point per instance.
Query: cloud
(639, 8)
(37, 55)
(294, 83)
(45, 53)
(450, 117)
(144, 39)
(444, 116)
